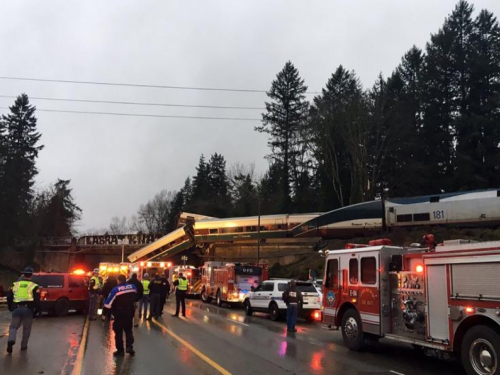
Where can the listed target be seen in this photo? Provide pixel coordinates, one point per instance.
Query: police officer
(121, 303)
(155, 289)
(293, 299)
(140, 291)
(181, 286)
(108, 286)
(165, 289)
(94, 291)
(144, 301)
(23, 301)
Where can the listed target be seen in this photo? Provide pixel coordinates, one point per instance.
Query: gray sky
(117, 163)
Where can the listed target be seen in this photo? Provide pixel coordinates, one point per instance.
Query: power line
(140, 85)
(145, 115)
(134, 103)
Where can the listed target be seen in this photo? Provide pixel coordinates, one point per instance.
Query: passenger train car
(478, 208)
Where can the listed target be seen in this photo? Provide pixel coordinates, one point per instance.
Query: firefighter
(22, 300)
(94, 293)
(155, 289)
(121, 302)
(293, 299)
(181, 286)
(144, 301)
(140, 292)
(165, 289)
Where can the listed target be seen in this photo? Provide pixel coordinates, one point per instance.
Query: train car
(470, 208)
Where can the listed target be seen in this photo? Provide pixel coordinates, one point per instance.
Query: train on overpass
(460, 209)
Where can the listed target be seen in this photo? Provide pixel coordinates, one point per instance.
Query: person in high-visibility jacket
(181, 286)
(94, 293)
(23, 301)
(144, 301)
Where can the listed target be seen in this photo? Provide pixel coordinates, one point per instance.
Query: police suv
(268, 298)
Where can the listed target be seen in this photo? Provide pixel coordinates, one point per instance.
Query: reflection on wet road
(213, 340)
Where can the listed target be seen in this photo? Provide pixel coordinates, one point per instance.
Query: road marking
(81, 350)
(395, 372)
(235, 321)
(215, 365)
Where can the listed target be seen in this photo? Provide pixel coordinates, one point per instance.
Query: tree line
(432, 126)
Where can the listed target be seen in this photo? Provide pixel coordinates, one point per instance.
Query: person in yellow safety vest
(23, 301)
(144, 301)
(94, 293)
(181, 285)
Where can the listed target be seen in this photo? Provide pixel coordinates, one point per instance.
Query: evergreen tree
(270, 190)
(20, 150)
(284, 117)
(218, 187)
(245, 197)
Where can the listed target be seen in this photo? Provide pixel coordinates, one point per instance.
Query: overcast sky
(116, 163)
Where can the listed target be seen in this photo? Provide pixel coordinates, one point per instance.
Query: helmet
(28, 271)
(146, 275)
(96, 270)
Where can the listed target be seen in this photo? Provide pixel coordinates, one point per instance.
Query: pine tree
(218, 187)
(284, 117)
(245, 196)
(18, 168)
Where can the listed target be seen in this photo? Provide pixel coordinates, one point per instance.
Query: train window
(369, 270)
(353, 271)
(214, 230)
(434, 199)
(404, 218)
(391, 210)
(498, 193)
(421, 217)
(332, 274)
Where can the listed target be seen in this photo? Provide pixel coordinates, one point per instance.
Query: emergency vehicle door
(332, 288)
(437, 302)
(262, 295)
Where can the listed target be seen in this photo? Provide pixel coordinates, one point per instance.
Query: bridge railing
(57, 241)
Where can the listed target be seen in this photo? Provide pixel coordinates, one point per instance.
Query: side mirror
(252, 288)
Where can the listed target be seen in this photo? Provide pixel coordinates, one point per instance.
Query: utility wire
(134, 103)
(145, 115)
(140, 85)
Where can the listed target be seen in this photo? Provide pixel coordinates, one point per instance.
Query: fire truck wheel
(218, 298)
(62, 307)
(481, 351)
(274, 312)
(352, 331)
(248, 308)
(205, 297)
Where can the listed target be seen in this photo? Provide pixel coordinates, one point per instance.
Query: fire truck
(150, 268)
(230, 282)
(443, 300)
(113, 269)
(191, 273)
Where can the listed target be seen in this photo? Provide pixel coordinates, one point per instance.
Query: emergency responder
(293, 299)
(155, 288)
(140, 291)
(22, 300)
(108, 286)
(121, 303)
(94, 293)
(181, 286)
(144, 301)
(165, 289)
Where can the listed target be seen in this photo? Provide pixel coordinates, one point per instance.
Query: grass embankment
(399, 237)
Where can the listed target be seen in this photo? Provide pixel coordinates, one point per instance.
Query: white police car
(268, 298)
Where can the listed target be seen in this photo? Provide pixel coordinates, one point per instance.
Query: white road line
(395, 372)
(234, 321)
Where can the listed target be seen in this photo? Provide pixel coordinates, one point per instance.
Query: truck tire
(62, 307)
(480, 351)
(205, 297)
(218, 298)
(274, 312)
(352, 331)
(248, 308)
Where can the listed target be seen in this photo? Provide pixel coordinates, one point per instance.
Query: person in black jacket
(155, 289)
(108, 286)
(140, 291)
(293, 299)
(165, 290)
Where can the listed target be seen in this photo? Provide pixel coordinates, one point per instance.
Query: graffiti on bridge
(119, 239)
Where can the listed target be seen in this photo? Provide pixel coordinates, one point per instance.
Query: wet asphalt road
(210, 340)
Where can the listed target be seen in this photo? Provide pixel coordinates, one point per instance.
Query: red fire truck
(443, 300)
(230, 282)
